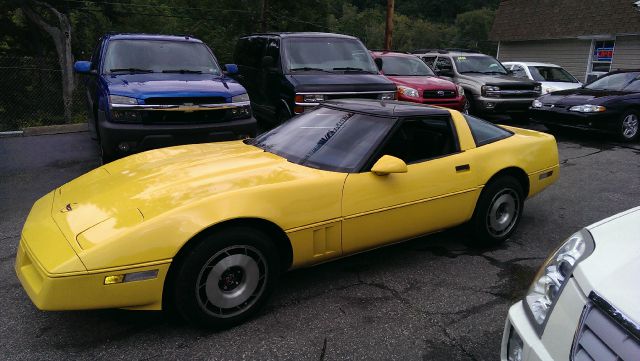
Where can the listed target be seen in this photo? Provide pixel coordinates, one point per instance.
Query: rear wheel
(629, 127)
(498, 211)
(226, 278)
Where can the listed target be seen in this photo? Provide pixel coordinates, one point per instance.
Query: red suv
(418, 83)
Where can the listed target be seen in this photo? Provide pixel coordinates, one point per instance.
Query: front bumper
(86, 290)
(501, 106)
(604, 122)
(51, 271)
(136, 137)
(456, 103)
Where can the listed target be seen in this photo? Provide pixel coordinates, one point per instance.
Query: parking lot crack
(457, 344)
(10, 236)
(564, 161)
(324, 349)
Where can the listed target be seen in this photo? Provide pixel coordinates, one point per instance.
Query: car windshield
(478, 64)
(328, 54)
(131, 56)
(616, 81)
(551, 73)
(327, 139)
(405, 66)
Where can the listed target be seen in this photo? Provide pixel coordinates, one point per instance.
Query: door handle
(462, 168)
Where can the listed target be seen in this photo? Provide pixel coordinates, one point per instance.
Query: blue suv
(149, 91)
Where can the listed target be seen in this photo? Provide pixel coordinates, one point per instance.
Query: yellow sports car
(206, 229)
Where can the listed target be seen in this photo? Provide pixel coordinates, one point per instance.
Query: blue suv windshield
(157, 56)
(328, 55)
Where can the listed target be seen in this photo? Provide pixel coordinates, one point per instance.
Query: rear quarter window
(484, 132)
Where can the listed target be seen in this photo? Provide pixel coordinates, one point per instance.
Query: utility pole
(388, 31)
(263, 17)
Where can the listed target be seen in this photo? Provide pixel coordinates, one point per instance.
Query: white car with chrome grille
(584, 302)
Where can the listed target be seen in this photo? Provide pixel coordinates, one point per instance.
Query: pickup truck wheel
(629, 127)
(226, 278)
(466, 108)
(282, 115)
(106, 155)
(498, 211)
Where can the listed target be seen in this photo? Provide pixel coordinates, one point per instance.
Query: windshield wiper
(182, 71)
(131, 70)
(348, 68)
(307, 68)
(472, 71)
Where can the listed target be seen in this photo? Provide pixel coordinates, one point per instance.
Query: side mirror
(82, 67)
(378, 62)
(267, 62)
(388, 164)
(231, 69)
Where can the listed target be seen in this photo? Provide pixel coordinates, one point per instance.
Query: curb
(47, 130)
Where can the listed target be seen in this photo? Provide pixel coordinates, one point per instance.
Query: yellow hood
(144, 185)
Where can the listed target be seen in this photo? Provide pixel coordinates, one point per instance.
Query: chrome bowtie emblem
(440, 93)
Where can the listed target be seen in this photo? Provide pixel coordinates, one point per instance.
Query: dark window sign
(604, 54)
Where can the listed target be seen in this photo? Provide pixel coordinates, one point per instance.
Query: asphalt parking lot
(433, 298)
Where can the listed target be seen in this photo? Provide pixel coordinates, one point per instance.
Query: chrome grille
(605, 334)
(184, 100)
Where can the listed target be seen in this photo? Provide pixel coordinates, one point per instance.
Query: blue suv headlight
(119, 99)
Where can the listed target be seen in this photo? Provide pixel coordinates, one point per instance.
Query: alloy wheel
(504, 211)
(231, 281)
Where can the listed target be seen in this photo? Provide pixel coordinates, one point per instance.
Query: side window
(421, 139)
(634, 86)
(444, 63)
(484, 132)
(519, 72)
(249, 51)
(240, 53)
(273, 50)
(95, 56)
(429, 60)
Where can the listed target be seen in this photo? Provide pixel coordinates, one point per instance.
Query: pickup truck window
(157, 56)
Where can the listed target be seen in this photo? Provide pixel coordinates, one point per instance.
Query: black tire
(498, 211)
(106, 155)
(224, 279)
(467, 107)
(282, 115)
(628, 126)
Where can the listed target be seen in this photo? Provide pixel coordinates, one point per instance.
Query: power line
(155, 15)
(156, 6)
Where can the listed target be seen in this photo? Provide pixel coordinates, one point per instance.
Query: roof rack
(422, 51)
(130, 33)
(444, 51)
(390, 51)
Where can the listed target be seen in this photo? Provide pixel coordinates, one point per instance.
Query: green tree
(473, 29)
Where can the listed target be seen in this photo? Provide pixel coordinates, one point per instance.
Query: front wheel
(498, 211)
(629, 127)
(226, 278)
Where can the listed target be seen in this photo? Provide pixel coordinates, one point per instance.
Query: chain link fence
(31, 94)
